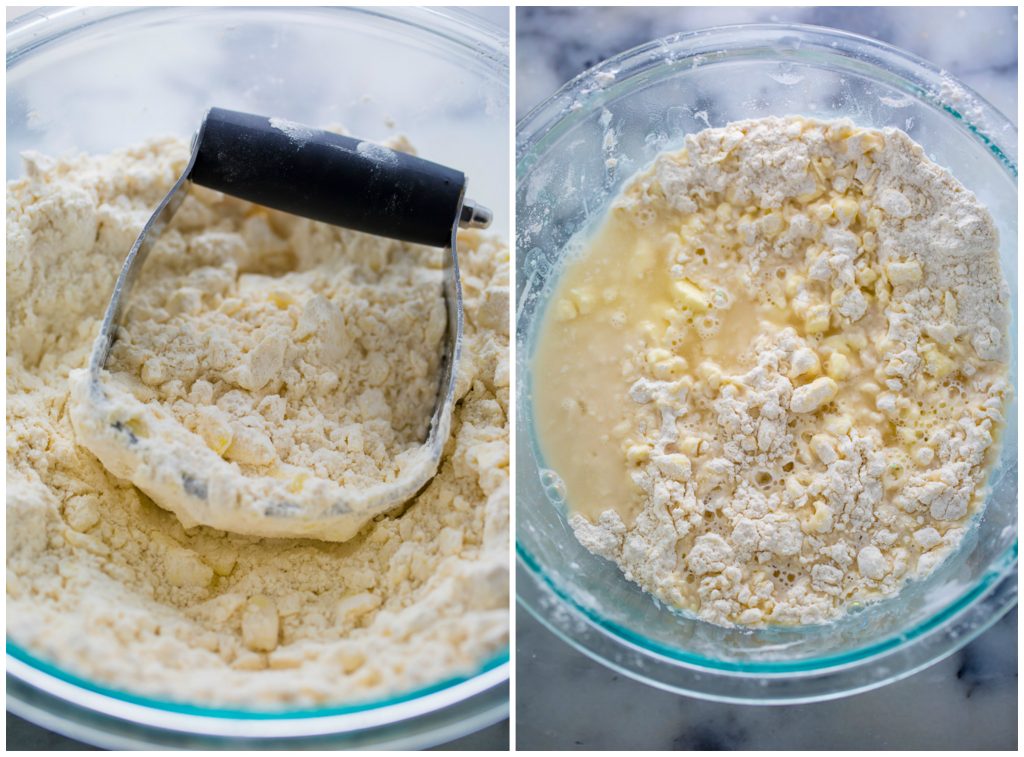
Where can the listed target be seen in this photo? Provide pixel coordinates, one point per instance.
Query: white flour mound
(858, 515)
(267, 386)
(286, 345)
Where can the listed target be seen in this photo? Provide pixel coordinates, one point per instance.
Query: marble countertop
(976, 45)
(22, 734)
(568, 701)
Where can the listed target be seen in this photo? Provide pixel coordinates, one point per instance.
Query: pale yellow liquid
(684, 305)
(581, 397)
(584, 365)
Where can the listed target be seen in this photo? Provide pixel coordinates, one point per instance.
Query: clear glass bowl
(92, 80)
(632, 107)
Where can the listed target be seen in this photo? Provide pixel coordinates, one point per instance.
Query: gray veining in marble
(977, 45)
(568, 701)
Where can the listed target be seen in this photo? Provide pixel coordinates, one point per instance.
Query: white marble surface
(22, 734)
(977, 45)
(566, 700)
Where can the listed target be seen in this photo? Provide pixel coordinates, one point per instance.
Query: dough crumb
(284, 345)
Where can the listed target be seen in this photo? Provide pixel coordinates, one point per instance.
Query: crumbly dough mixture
(281, 342)
(784, 359)
(276, 387)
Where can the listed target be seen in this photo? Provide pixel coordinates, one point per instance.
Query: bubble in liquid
(708, 326)
(721, 299)
(553, 486)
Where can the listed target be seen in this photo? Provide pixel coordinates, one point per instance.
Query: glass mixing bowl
(92, 80)
(632, 107)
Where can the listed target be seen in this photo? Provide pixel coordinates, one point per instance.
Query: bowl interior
(435, 78)
(375, 73)
(645, 103)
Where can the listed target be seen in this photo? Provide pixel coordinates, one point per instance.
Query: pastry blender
(320, 175)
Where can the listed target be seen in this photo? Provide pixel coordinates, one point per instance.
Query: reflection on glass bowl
(644, 102)
(93, 80)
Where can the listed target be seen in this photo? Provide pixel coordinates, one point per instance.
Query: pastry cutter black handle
(339, 180)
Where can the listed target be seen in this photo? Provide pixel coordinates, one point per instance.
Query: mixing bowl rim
(231, 722)
(552, 114)
(535, 121)
(36, 32)
(778, 669)
(554, 621)
(56, 22)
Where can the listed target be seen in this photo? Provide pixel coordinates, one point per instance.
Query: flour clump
(285, 346)
(804, 404)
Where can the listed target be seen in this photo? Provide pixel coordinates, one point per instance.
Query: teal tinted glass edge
(955, 607)
(760, 668)
(752, 667)
(23, 655)
(815, 664)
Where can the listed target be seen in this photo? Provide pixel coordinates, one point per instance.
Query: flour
(281, 342)
(298, 388)
(298, 133)
(772, 493)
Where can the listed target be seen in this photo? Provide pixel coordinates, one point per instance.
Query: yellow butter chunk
(937, 363)
(805, 364)
(822, 211)
(793, 284)
(871, 141)
(690, 445)
(904, 273)
(838, 425)
(137, 427)
(676, 466)
(638, 453)
(824, 448)
(817, 320)
(215, 429)
(807, 399)
(838, 366)
(250, 446)
(260, 624)
(822, 519)
(281, 299)
(657, 355)
(184, 568)
(689, 295)
(296, 484)
(671, 367)
(772, 224)
(845, 209)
